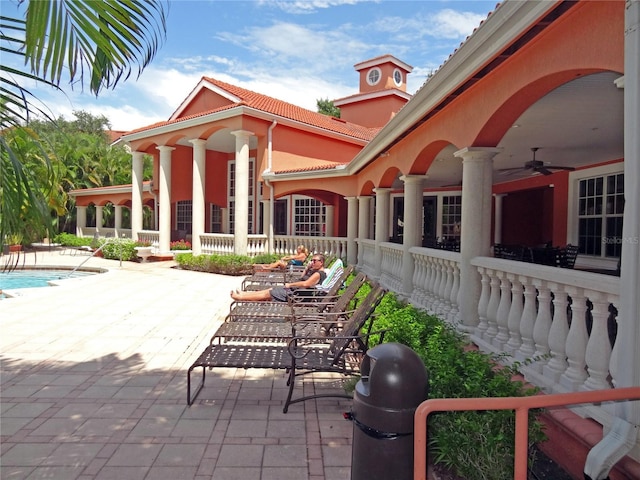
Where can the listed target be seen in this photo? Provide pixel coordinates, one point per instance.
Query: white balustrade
(544, 313)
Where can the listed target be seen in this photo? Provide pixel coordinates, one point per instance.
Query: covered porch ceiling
(578, 124)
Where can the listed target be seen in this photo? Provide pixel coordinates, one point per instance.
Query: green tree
(95, 44)
(82, 157)
(327, 107)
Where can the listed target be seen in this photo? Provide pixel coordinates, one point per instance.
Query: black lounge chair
(341, 353)
(322, 295)
(302, 318)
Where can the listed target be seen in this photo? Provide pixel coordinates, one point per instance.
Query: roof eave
(233, 112)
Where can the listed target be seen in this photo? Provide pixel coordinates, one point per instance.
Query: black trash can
(394, 382)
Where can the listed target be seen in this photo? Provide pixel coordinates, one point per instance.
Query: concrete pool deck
(93, 386)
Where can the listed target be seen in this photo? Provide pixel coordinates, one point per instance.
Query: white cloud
(453, 24)
(290, 45)
(305, 6)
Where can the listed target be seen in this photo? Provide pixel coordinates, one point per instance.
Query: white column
(625, 364)
(266, 219)
(329, 218)
(225, 219)
(475, 238)
(241, 211)
(165, 198)
(412, 236)
(117, 221)
(99, 220)
(137, 167)
(364, 205)
(497, 217)
(197, 196)
(629, 318)
(352, 230)
(81, 220)
(383, 196)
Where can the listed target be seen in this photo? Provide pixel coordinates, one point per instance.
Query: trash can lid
(397, 377)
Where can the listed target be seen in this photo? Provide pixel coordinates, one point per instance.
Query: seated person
(297, 258)
(312, 276)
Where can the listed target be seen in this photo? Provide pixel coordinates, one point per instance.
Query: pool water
(36, 278)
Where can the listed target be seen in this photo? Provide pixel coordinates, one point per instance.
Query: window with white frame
(232, 193)
(215, 225)
(374, 75)
(184, 216)
(308, 217)
(451, 216)
(600, 210)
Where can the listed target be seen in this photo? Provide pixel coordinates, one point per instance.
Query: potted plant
(14, 242)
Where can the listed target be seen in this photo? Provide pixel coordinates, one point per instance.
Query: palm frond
(106, 39)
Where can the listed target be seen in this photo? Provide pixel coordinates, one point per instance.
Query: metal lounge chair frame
(266, 279)
(341, 353)
(305, 319)
(281, 311)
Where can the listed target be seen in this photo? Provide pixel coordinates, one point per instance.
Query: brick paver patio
(93, 386)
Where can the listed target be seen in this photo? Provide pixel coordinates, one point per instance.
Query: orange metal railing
(521, 405)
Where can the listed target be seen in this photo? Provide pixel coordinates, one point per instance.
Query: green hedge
(476, 445)
(223, 264)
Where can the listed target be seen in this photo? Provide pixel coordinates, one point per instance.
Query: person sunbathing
(297, 259)
(312, 276)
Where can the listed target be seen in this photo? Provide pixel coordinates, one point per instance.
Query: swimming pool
(39, 277)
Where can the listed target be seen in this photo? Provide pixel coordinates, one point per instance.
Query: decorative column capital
(413, 179)
(477, 153)
(165, 148)
(382, 190)
(242, 133)
(198, 142)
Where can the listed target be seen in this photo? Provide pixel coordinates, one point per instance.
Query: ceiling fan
(536, 166)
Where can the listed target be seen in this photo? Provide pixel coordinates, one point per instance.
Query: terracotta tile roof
(310, 168)
(274, 106)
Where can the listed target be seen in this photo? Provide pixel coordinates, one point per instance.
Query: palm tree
(95, 44)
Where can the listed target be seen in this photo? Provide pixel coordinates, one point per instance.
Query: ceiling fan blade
(543, 170)
(510, 171)
(558, 167)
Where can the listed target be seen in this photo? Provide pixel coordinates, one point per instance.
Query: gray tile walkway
(93, 386)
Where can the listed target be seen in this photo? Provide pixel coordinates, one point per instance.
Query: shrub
(70, 240)
(119, 248)
(222, 264)
(265, 258)
(476, 445)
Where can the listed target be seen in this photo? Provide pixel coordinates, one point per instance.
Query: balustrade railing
(391, 276)
(558, 324)
(436, 282)
(149, 236)
(367, 257)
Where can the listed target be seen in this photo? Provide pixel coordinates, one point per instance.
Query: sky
(298, 51)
